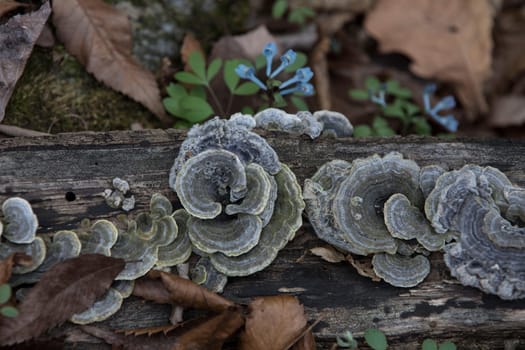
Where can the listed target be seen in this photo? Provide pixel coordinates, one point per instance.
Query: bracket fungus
(334, 124)
(481, 205)
(116, 197)
(139, 243)
(278, 120)
(19, 234)
(243, 205)
(372, 206)
(21, 222)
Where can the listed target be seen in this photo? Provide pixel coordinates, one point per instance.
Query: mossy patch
(56, 94)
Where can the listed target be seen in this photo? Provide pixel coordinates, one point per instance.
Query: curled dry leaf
(189, 294)
(99, 36)
(363, 267)
(153, 290)
(328, 254)
(449, 40)
(212, 333)
(67, 288)
(307, 342)
(6, 265)
(272, 323)
(17, 38)
(7, 6)
(243, 46)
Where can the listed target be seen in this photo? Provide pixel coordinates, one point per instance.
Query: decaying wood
(63, 177)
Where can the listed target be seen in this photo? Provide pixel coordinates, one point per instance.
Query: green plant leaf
(182, 124)
(247, 110)
(263, 107)
(448, 345)
(375, 339)
(300, 61)
(198, 91)
(395, 110)
(176, 90)
(195, 109)
(299, 15)
(346, 340)
(299, 103)
(9, 311)
(172, 105)
(279, 101)
(260, 61)
(357, 94)
(5, 293)
(213, 69)
(230, 77)
(247, 88)
(410, 108)
(362, 131)
(421, 126)
(372, 83)
(279, 8)
(394, 88)
(189, 78)
(429, 344)
(198, 64)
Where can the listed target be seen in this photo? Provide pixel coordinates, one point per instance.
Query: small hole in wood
(70, 196)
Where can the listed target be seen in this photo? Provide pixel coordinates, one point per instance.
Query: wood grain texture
(44, 169)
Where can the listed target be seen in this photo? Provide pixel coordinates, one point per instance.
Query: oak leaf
(272, 323)
(99, 36)
(67, 288)
(189, 294)
(449, 40)
(17, 38)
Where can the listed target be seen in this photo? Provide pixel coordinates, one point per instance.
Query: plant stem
(230, 101)
(216, 100)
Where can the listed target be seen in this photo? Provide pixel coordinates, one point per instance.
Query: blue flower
(287, 59)
(246, 72)
(304, 88)
(447, 121)
(269, 52)
(302, 75)
(380, 98)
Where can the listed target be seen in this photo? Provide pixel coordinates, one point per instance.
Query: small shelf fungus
(19, 234)
(483, 206)
(140, 241)
(373, 206)
(118, 197)
(334, 124)
(243, 205)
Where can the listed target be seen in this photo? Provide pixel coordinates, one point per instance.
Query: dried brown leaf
(508, 111)
(189, 294)
(67, 288)
(6, 265)
(17, 38)
(46, 38)
(272, 323)
(247, 45)
(211, 334)
(7, 6)
(99, 36)
(190, 44)
(363, 267)
(449, 40)
(153, 290)
(328, 254)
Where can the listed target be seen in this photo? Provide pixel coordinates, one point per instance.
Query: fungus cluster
(373, 206)
(243, 205)
(326, 122)
(486, 210)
